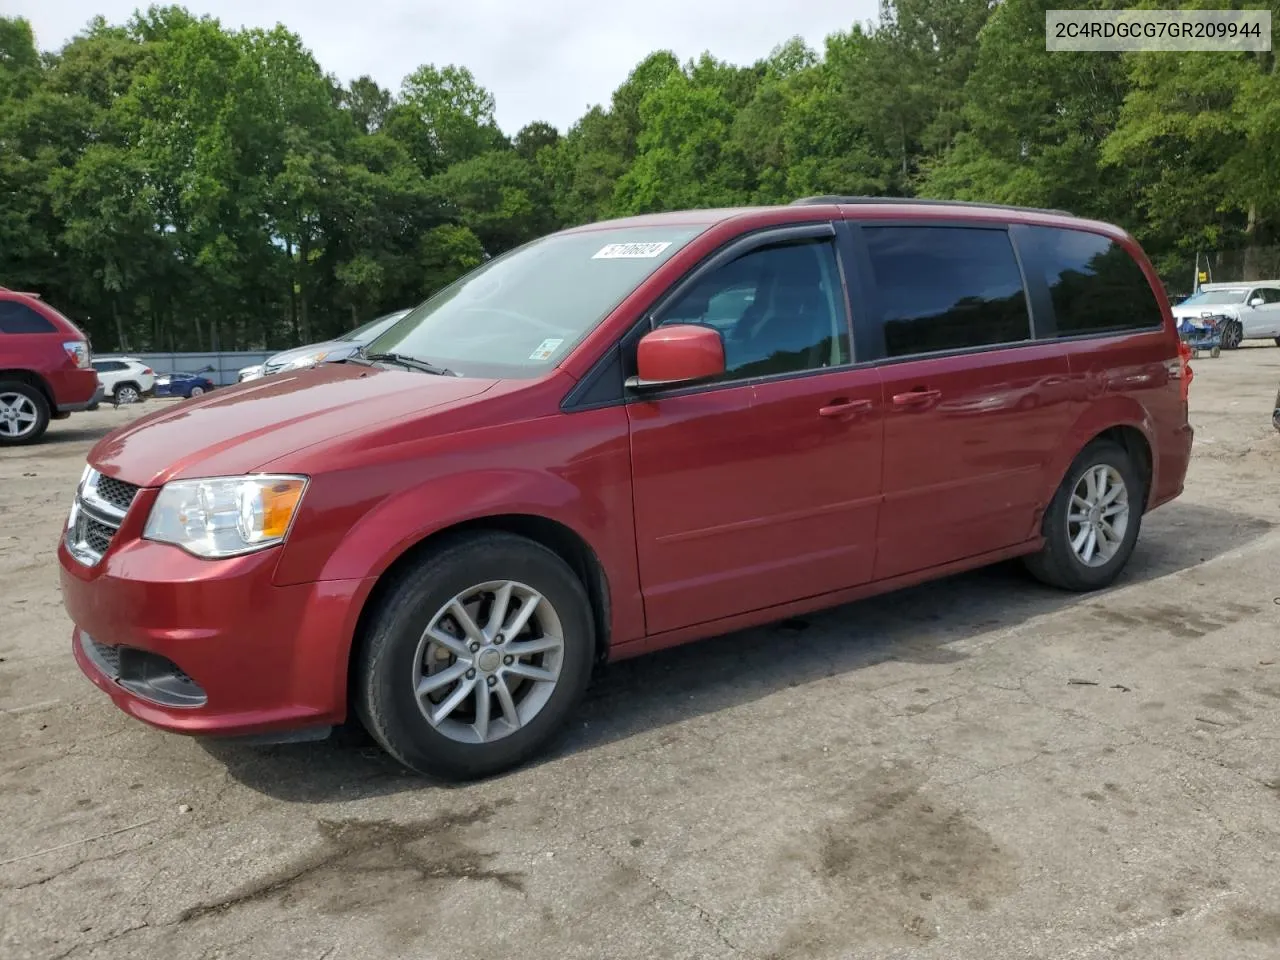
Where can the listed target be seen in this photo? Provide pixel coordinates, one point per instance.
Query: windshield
(1214, 296)
(370, 330)
(520, 314)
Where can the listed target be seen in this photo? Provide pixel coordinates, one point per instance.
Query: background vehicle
(1252, 310)
(252, 372)
(124, 379)
(44, 368)
(184, 384)
(619, 438)
(327, 351)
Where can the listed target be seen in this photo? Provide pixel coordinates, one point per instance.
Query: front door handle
(916, 398)
(843, 409)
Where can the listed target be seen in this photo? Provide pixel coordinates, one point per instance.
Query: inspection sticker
(546, 348)
(631, 251)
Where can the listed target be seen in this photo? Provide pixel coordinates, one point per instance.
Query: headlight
(310, 359)
(225, 516)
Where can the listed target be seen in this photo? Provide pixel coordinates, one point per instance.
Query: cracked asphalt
(980, 767)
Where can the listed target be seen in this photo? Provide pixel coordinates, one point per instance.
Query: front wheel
(1092, 522)
(475, 656)
(1232, 335)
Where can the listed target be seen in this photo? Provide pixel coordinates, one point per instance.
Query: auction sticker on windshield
(546, 348)
(630, 251)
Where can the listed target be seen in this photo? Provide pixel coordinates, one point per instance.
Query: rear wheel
(1092, 522)
(475, 656)
(127, 393)
(24, 413)
(196, 391)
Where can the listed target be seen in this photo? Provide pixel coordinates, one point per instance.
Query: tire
(1058, 564)
(1232, 335)
(1216, 352)
(127, 393)
(91, 407)
(196, 392)
(24, 413)
(395, 648)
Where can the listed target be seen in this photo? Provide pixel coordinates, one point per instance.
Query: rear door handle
(843, 409)
(916, 398)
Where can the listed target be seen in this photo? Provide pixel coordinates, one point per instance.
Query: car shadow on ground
(920, 624)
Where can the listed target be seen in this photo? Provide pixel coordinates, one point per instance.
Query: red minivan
(618, 438)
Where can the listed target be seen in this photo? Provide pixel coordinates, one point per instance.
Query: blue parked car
(183, 384)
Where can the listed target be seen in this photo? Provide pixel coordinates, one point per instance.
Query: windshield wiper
(410, 363)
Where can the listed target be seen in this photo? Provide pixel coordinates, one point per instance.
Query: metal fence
(226, 366)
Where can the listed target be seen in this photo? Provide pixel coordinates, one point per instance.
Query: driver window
(779, 309)
(1270, 294)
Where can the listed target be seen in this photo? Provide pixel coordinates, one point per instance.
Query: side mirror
(1256, 302)
(678, 354)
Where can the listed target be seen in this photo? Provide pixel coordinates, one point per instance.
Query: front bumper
(210, 647)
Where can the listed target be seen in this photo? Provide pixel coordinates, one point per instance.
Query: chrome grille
(116, 492)
(100, 507)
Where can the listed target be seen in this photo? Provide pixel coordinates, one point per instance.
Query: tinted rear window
(1095, 285)
(19, 318)
(946, 288)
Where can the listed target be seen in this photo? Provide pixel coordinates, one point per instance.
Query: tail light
(146, 371)
(78, 351)
(1181, 368)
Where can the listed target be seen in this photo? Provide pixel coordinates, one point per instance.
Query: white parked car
(1252, 309)
(249, 373)
(124, 379)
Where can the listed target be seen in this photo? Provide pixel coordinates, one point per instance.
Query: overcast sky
(542, 59)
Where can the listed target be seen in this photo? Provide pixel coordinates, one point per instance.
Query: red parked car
(44, 368)
(618, 438)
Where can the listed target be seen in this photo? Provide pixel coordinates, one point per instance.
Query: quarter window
(946, 288)
(779, 309)
(1095, 285)
(19, 318)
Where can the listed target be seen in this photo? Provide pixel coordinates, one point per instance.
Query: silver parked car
(1252, 309)
(326, 351)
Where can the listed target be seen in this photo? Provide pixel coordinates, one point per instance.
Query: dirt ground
(980, 767)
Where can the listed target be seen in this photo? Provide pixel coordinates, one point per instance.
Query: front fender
(408, 517)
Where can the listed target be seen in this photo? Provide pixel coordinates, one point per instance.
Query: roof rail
(912, 201)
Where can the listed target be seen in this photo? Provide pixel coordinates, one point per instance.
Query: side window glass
(946, 288)
(778, 309)
(1271, 294)
(1096, 286)
(19, 318)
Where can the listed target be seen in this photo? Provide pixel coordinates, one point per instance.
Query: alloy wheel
(126, 394)
(488, 661)
(18, 415)
(1098, 515)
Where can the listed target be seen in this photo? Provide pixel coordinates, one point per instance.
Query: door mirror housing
(679, 354)
(1256, 302)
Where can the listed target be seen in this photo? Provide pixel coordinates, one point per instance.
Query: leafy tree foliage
(172, 183)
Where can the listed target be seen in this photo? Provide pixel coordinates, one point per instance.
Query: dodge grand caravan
(621, 437)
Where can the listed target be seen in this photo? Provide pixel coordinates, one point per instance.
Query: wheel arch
(32, 379)
(1121, 420)
(560, 539)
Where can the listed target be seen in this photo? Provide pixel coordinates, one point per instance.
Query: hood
(238, 429)
(1195, 311)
